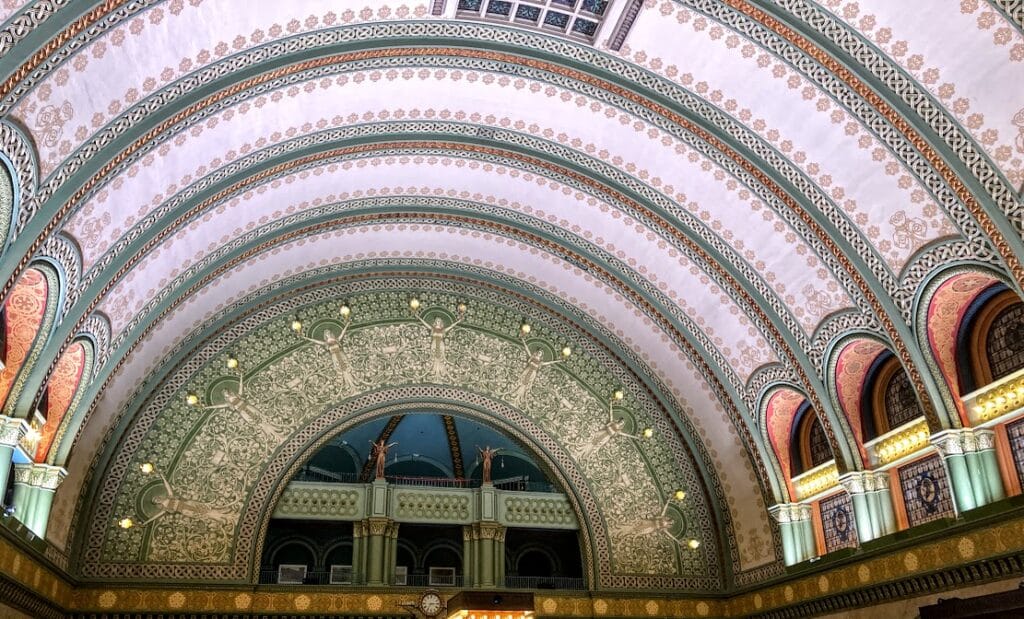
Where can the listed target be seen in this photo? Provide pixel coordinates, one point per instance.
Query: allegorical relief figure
(615, 427)
(168, 503)
(335, 348)
(438, 332)
(252, 416)
(660, 524)
(534, 363)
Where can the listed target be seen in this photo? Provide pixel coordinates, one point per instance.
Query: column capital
(47, 476)
(986, 438)
(23, 474)
(12, 431)
(880, 479)
(784, 513)
(949, 442)
(857, 482)
(378, 526)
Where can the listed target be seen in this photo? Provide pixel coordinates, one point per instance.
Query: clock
(431, 604)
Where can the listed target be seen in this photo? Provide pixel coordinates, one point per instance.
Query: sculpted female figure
(171, 504)
(379, 451)
(438, 332)
(614, 427)
(534, 362)
(487, 455)
(251, 415)
(334, 346)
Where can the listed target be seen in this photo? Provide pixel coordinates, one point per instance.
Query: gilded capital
(12, 431)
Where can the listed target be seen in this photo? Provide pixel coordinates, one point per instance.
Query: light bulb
(525, 328)
(462, 308)
(232, 363)
(619, 394)
(345, 311)
(680, 495)
(192, 399)
(125, 523)
(414, 304)
(147, 467)
(694, 544)
(566, 352)
(296, 326)
(648, 432)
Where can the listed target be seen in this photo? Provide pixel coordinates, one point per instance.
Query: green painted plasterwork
(212, 458)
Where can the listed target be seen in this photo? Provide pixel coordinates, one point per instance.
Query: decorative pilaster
(490, 541)
(872, 503)
(11, 432)
(358, 553)
(469, 561)
(972, 467)
(44, 480)
(22, 499)
(797, 532)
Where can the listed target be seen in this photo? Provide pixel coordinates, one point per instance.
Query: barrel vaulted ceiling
(706, 201)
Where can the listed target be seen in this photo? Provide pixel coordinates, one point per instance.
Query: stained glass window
(837, 522)
(926, 491)
(900, 402)
(820, 450)
(1005, 343)
(1015, 432)
(577, 19)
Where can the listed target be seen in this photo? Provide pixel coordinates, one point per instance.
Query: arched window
(810, 446)
(991, 341)
(888, 399)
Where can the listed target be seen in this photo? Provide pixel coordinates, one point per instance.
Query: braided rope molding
(76, 35)
(831, 329)
(16, 147)
(755, 308)
(400, 201)
(63, 250)
(28, 19)
(97, 326)
(288, 302)
(1014, 10)
(579, 321)
(948, 190)
(909, 91)
(754, 183)
(576, 52)
(934, 258)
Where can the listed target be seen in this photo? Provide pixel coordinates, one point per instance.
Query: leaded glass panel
(900, 402)
(925, 490)
(1005, 343)
(820, 450)
(578, 19)
(837, 522)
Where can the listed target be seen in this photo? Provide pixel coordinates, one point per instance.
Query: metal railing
(323, 578)
(518, 484)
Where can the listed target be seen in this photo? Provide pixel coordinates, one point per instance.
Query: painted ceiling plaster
(725, 208)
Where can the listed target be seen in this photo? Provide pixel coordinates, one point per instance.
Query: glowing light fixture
(147, 467)
(680, 495)
(648, 433)
(694, 544)
(297, 326)
(232, 363)
(192, 399)
(345, 311)
(619, 394)
(525, 328)
(126, 523)
(414, 304)
(566, 352)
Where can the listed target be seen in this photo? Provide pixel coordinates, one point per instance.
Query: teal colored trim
(23, 390)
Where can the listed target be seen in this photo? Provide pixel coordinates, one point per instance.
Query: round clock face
(430, 604)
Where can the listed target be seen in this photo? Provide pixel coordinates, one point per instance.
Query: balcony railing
(519, 484)
(323, 579)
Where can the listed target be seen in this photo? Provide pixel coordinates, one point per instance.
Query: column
(856, 486)
(886, 511)
(22, 493)
(950, 447)
(391, 556)
(377, 529)
(972, 466)
(490, 539)
(790, 545)
(45, 480)
(358, 553)
(468, 556)
(11, 432)
(986, 444)
(499, 557)
(805, 531)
